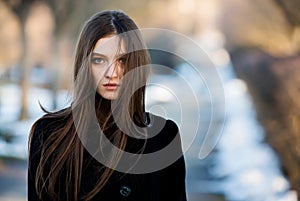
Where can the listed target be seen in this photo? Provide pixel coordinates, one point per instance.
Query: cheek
(121, 72)
(97, 74)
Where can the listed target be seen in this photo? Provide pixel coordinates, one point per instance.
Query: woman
(103, 147)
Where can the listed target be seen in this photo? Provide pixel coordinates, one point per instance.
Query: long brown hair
(63, 149)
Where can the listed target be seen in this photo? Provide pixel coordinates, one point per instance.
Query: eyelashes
(97, 60)
(103, 61)
(122, 60)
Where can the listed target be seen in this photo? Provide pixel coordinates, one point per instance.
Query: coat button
(125, 191)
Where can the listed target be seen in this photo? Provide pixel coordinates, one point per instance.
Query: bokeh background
(254, 44)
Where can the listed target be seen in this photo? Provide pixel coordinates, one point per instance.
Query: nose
(112, 71)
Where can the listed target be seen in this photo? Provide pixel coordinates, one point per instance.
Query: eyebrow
(98, 54)
(102, 55)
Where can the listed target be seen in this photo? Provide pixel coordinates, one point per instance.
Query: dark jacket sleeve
(33, 159)
(173, 182)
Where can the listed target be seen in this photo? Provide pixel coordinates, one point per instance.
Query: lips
(111, 86)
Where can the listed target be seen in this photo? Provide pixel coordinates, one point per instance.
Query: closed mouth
(111, 85)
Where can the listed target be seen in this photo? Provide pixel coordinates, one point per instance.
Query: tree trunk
(274, 85)
(24, 82)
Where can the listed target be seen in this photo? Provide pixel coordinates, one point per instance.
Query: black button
(125, 191)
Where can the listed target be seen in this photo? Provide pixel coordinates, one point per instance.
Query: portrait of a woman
(62, 164)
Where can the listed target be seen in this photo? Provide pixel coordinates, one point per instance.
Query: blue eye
(98, 60)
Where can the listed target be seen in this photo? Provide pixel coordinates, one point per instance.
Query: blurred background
(255, 48)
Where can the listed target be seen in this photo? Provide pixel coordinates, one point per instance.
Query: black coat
(162, 185)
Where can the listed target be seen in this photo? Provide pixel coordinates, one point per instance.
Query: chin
(112, 96)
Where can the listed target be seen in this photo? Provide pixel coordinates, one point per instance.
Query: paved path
(13, 180)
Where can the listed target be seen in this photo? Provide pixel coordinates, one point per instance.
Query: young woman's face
(108, 66)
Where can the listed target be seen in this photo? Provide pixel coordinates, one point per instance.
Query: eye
(97, 60)
(122, 60)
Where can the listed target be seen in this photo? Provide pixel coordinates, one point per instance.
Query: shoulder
(46, 124)
(159, 123)
(40, 131)
(161, 131)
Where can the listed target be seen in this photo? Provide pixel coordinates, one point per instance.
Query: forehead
(110, 45)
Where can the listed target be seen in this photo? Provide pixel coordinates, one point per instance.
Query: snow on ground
(9, 112)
